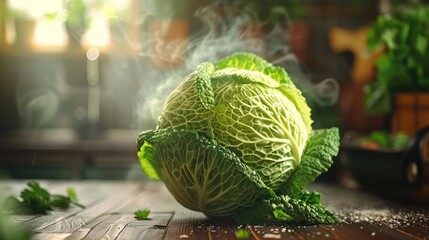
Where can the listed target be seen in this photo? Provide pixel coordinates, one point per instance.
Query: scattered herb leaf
(242, 234)
(35, 199)
(142, 214)
(71, 192)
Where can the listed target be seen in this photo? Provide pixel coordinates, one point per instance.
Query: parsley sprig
(142, 214)
(242, 234)
(37, 200)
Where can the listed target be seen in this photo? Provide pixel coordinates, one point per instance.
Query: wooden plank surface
(110, 206)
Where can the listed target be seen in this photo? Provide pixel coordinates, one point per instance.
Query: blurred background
(79, 79)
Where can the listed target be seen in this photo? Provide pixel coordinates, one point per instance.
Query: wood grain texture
(110, 206)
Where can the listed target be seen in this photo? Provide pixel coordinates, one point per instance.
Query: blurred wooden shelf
(60, 150)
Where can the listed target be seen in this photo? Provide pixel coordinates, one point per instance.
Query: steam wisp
(221, 36)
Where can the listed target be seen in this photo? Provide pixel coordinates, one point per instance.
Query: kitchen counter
(110, 206)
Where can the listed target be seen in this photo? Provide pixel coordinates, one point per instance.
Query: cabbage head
(234, 139)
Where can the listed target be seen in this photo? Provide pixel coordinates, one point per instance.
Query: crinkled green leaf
(261, 126)
(269, 75)
(184, 107)
(147, 160)
(252, 62)
(203, 175)
(317, 158)
(203, 84)
(284, 209)
(240, 76)
(265, 122)
(307, 213)
(295, 95)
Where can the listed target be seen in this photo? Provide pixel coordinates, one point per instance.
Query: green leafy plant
(384, 139)
(235, 139)
(403, 67)
(242, 234)
(76, 18)
(142, 214)
(76, 12)
(36, 199)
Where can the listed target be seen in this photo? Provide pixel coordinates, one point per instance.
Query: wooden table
(110, 206)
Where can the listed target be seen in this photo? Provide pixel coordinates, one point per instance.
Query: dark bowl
(387, 170)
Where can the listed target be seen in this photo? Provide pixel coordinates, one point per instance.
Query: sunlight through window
(98, 33)
(50, 33)
(49, 17)
(35, 9)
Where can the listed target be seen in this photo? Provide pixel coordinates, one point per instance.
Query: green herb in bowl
(384, 139)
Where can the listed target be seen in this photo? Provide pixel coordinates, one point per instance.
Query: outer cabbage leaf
(317, 158)
(284, 209)
(203, 85)
(207, 177)
(251, 62)
(147, 160)
(201, 174)
(296, 205)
